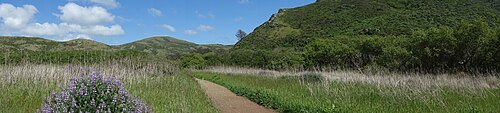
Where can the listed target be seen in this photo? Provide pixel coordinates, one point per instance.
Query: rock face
(274, 16)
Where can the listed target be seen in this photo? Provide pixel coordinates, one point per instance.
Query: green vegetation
(39, 50)
(27, 44)
(193, 60)
(171, 48)
(289, 94)
(70, 57)
(404, 36)
(400, 35)
(162, 93)
(174, 94)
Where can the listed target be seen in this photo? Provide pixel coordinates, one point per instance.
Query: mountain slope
(156, 45)
(329, 18)
(163, 45)
(423, 35)
(17, 44)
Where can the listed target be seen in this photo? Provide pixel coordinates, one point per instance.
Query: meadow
(162, 87)
(351, 91)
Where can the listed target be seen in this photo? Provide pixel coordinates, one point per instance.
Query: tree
(241, 34)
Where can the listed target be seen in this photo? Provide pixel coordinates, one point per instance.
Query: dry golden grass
(423, 81)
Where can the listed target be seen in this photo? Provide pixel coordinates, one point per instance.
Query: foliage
(241, 34)
(70, 57)
(471, 46)
(193, 60)
(426, 36)
(330, 53)
(395, 58)
(93, 93)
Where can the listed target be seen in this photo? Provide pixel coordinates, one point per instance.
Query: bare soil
(228, 102)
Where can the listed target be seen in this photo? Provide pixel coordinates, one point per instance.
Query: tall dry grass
(350, 88)
(382, 79)
(46, 74)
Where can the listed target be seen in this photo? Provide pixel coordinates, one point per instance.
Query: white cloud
(70, 28)
(43, 29)
(76, 14)
(106, 3)
(168, 27)
(16, 17)
(202, 15)
(72, 37)
(244, 1)
(190, 32)
(48, 29)
(155, 12)
(100, 30)
(205, 28)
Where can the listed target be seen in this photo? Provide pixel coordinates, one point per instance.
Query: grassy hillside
(426, 35)
(40, 50)
(168, 46)
(329, 18)
(16, 44)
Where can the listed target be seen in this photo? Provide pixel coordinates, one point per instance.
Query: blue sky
(122, 21)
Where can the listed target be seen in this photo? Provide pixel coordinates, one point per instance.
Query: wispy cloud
(155, 12)
(107, 3)
(205, 28)
(168, 27)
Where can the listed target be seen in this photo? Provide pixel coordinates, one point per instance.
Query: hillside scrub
(468, 47)
(426, 36)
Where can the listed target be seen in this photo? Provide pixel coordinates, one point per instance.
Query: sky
(117, 22)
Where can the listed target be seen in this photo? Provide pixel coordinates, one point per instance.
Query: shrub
(327, 52)
(395, 58)
(93, 93)
(193, 60)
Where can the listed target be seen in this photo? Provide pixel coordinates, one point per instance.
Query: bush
(193, 60)
(325, 52)
(93, 93)
(395, 58)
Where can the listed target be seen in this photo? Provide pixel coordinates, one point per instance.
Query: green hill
(168, 46)
(40, 50)
(389, 33)
(18, 44)
(330, 18)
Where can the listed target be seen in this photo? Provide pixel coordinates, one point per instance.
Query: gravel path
(228, 102)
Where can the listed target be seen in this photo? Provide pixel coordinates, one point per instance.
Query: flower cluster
(93, 93)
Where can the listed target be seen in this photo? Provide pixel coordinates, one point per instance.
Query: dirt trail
(228, 102)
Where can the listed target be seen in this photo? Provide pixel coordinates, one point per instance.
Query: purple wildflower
(93, 93)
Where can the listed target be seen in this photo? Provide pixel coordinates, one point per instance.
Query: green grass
(171, 94)
(23, 98)
(288, 94)
(175, 94)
